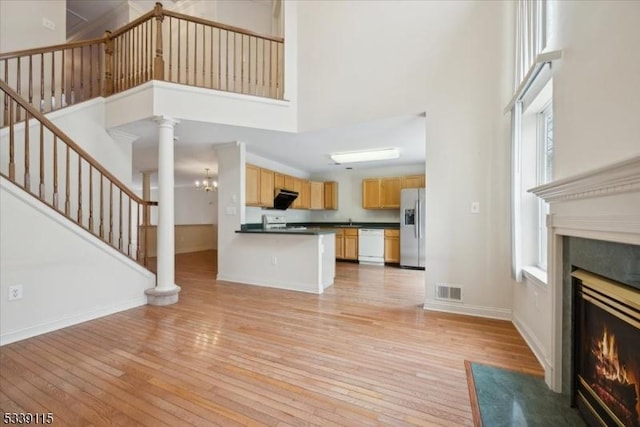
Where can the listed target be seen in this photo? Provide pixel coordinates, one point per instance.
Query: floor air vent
(448, 292)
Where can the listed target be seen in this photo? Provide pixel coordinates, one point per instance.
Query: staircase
(159, 45)
(73, 235)
(64, 214)
(41, 159)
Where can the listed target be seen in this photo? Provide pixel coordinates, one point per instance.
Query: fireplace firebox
(606, 351)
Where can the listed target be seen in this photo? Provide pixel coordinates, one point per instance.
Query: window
(531, 35)
(532, 137)
(545, 175)
(534, 161)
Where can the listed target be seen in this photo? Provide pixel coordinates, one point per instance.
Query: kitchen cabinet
(340, 244)
(278, 180)
(347, 243)
(384, 193)
(331, 195)
(252, 185)
(288, 182)
(390, 192)
(316, 195)
(413, 181)
(305, 194)
(351, 243)
(267, 188)
(297, 187)
(392, 246)
(371, 198)
(292, 183)
(261, 183)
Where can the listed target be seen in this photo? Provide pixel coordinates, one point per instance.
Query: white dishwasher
(371, 246)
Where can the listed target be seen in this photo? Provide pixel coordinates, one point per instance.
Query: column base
(162, 297)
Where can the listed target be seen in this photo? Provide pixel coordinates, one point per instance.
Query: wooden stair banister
(80, 171)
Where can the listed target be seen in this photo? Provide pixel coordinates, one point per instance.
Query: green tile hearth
(508, 398)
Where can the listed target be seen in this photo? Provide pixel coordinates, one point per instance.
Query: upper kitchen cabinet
(384, 193)
(331, 195)
(390, 192)
(252, 185)
(278, 181)
(297, 187)
(413, 181)
(371, 198)
(261, 184)
(267, 188)
(317, 195)
(305, 194)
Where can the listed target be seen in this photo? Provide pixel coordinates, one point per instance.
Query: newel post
(108, 64)
(158, 62)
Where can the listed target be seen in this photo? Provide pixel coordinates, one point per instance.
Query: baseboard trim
(64, 322)
(533, 343)
(469, 310)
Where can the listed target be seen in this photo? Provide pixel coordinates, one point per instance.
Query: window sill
(535, 274)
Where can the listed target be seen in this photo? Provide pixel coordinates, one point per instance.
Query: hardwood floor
(364, 353)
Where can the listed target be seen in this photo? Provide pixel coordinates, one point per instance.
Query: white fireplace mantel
(621, 177)
(602, 204)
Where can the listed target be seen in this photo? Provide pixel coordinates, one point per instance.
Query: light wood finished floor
(364, 353)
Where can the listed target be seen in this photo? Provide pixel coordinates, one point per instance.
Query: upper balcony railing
(160, 45)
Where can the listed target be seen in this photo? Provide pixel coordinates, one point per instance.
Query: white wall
(596, 97)
(85, 124)
(112, 20)
(191, 206)
(67, 275)
(380, 59)
(249, 14)
(231, 201)
(24, 18)
(596, 104)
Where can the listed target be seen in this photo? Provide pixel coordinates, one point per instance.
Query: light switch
(475, 207)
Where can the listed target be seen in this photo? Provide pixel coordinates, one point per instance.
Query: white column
(166, 291)
(146, 220)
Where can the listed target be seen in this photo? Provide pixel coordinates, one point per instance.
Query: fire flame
(607, 363)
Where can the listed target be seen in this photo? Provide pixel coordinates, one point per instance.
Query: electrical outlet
(15, 292)
(48, 23)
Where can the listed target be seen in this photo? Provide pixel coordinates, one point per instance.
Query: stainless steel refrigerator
(412, 223)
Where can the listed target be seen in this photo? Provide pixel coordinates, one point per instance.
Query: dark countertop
(311, 231)
(325, 225)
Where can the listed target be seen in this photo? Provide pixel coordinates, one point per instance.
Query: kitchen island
(298, 259)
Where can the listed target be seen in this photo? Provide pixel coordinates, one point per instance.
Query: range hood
(284, 198)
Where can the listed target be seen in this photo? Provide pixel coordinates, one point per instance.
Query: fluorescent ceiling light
(365, 156)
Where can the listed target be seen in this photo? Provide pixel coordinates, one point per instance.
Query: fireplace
(593, 225)
(606, 352)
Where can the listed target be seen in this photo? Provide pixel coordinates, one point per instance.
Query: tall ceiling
(308, 151)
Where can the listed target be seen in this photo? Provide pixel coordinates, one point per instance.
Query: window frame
(544, 176)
